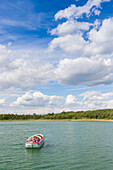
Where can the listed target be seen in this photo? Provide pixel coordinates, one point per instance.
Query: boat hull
(33, 145)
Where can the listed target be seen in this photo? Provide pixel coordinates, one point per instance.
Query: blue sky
(55, 55)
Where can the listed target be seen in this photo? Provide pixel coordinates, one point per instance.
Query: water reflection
(33, 152)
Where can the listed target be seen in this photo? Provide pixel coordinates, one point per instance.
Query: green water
(69, 145)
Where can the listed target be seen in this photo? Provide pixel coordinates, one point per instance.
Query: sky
(55, 55)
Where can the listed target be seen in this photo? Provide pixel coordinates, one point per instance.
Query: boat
(35, 141)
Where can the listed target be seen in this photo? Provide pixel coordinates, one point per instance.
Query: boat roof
(37, 135)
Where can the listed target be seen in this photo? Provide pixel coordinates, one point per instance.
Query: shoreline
(73, 120)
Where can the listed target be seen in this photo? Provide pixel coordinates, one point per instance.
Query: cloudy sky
(55, 55)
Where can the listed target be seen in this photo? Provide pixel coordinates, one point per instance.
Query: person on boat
(38, 140)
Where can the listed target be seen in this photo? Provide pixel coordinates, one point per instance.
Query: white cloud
(2, 102)
(71, 99)
(66, 13)
(22, 72)
(70, 27)
(97, 12)
(76, 12)
(4, 52)
(96, 100)
(99, 42)
(91, 95)
(25, 74)
(84, 71)
(97, 24)
(91, 100)
(40, 103)
(102, 40)
(72, 44)
(37, 99)
(55, 100)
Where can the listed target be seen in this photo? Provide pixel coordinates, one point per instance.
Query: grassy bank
(104, 114)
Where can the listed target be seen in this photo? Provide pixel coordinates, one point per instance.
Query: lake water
(68, 146)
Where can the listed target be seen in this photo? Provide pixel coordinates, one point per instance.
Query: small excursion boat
(35, 141)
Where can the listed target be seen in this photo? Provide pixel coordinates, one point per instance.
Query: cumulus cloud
(41, 103)
(102, 39)
(91, 100)
(37, 99)
(70, 27)
(25, 74)
(76, 12)
(70, 99)
(72, 44)
(95, 100)
(84, 71)
(2, 102)
(99, 40)
(21, 72)
(4, 52)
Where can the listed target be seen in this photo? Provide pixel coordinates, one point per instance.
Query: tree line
(94, 114)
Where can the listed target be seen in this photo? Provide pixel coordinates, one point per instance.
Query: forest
(90, 114)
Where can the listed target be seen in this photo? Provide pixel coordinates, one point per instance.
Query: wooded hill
(94, 114)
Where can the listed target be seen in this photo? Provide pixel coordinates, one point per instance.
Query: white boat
(35, 141)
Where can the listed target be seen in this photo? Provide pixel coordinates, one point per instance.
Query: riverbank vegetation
(94, 114)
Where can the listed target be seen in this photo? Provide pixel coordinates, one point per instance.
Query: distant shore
(90, 115)
(73, 120)
(78, 120)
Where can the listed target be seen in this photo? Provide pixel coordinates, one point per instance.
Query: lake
(68, 146)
